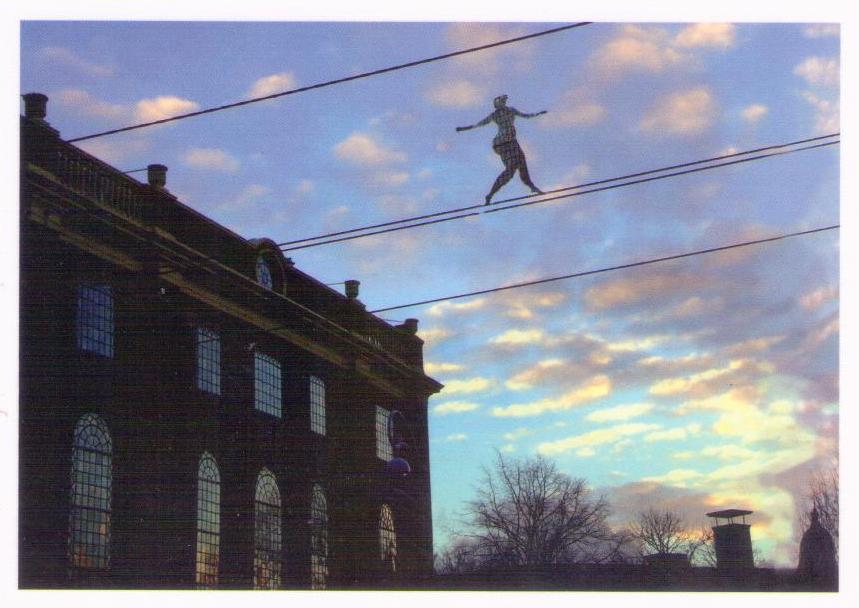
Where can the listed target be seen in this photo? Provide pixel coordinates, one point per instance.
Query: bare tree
(664, 531)
(822, 494)
(527, 513)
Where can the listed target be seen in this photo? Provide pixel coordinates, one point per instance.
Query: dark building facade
(195, 411)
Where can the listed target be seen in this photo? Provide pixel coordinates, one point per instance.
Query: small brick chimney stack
(411, 326)
(36, 106)
(157, 176)
(352, 289)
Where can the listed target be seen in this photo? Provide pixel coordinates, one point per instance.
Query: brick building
(194, 410)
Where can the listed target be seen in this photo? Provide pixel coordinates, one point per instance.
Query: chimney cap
(35, 106)
(352, 286)
(157, 175)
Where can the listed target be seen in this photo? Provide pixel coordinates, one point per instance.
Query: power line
(610, 268)
(444, 216)
(328, 83)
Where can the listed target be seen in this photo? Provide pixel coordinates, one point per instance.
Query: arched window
(387, 538)
(263, 272)
(267, 532)
(317, 405)
(89, 516)
(208, 522)
(318, 539)
(95, 319)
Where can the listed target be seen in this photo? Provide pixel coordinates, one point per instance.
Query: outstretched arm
(526, 115)
(485, 121)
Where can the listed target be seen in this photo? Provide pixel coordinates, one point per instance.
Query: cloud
(594, 438)
(270, 85)
(117, 151)
(519, 337)
(213, 159)
(754, 112)
(166, 106)
(440, 368)
(637, 48)
(649, 287)
(595, 388)
(364, 149)
(827, 113)
(67, 58)
(434, 334)
(469, 385)
(620, 413)
(520, 306)
(442, 308)
(84, 102)
(820, 30)
(456, 437)
(706, 35)
(459, 93)
(518, 434)
(576, 109)
(245, 198)
(390, 179)
(683, 113)
(535, 375)
(455, 407)
(675, 434)
(819, 71)
(819, 297)
(701, 381)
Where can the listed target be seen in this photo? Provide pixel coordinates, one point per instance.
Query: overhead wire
(610, 268)
(329, 83)
(472, 210)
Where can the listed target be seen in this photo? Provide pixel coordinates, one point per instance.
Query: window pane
(208, 522)
(387, 538)
(267, 533)
(317, 405)
(264, 274)
(318, 539)
(383, 440)
(95, 319)
(267, 384)
(208, 361)
(91, 478)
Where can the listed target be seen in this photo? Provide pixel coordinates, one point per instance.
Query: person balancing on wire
(505, 145)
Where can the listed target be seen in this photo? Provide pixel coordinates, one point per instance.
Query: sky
(696, 384)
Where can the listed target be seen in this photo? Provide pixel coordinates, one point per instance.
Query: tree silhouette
(527, 513)
(664, 531)
(822, 494)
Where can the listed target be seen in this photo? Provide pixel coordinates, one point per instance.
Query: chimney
(352, 289)
(410, 326)
(157, 176)
(36, 106)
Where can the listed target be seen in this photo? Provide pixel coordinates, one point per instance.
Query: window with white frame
(387, 538)
(263, 272)
(208, 361)
(268, 388)
(267, 532)
(91, 480)
(317, 405)
(208, 522)
(95, 324)
(383, 439)
(318, 539)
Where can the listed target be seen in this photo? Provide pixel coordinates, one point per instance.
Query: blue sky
(698, 384)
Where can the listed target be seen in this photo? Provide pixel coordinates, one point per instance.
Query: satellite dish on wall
(397, 466)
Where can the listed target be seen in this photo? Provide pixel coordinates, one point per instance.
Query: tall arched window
(263, 273)
(318, 539)
(267, 532)
(208, 522)
(387, 538)
(89, 516)
(317, 405)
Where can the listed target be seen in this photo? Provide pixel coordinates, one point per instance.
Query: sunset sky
(696, 384)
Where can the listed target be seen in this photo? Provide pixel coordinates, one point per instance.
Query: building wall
(161, 423)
